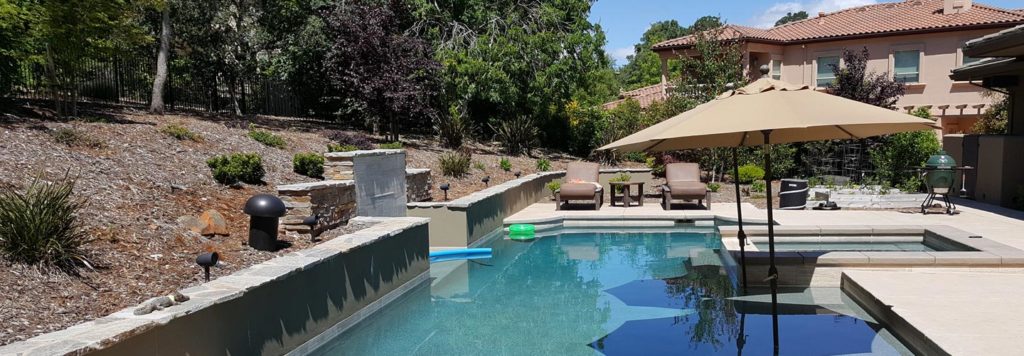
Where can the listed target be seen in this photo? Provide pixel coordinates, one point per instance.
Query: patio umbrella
(764, 112)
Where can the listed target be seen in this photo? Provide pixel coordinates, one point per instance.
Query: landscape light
(207, 260)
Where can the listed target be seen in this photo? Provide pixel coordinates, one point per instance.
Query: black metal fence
(128, 80)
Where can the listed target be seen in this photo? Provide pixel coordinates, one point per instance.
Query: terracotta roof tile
(878, 19)
(645, 96)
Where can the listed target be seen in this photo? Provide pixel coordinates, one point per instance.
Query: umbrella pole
(739, 217)
(773, 273)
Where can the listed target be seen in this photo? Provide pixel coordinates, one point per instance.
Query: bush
(454, 164)
(455, 128)
(480, 166)
(391, 146)
(543, 165)
(309, 164)
(757, 186)
(714, 187)
(750, 173)
(898, 154)
(334, 147)
(344, 138)
(553, 186)
(75, 138)
(638, 157)
(180, 133)
(586, 128)
(266, 137)
(230, 169)
(40, 225)
(516, 136)
(505, 164)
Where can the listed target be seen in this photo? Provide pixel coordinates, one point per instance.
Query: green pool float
(521, 232)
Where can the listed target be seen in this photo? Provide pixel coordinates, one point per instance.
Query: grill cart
(940, 177)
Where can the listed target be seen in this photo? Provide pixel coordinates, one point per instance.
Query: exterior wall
(267, 309)
(379, 177)
(998, 177)
(417, 185)
(332, 201)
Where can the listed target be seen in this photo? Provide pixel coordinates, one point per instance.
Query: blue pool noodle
(460, 254)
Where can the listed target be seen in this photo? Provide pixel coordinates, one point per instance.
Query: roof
(1005, 43)
(911, 16)
(645, 96)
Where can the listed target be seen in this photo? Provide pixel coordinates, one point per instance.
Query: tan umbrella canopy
(794, 113)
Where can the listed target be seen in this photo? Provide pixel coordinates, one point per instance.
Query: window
(968, 60)
(825, 73)
(777, 69)
(907, 66)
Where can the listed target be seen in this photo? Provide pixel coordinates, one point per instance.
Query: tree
(156, 104)
(389, 74)
(643, 68)
(18, 19)
(853, 81)
(792, 16)
(995, 118)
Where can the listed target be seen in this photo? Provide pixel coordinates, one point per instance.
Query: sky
(624, 21)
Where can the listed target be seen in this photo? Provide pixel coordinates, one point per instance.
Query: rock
(191, 223)
(213, 223)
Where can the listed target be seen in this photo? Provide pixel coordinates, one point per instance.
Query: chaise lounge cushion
(581, 191)
(687, 189)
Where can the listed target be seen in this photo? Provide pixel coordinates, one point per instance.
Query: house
(916, 41)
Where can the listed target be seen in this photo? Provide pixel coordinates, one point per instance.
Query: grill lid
(940, 160)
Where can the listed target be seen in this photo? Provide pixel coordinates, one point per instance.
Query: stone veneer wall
(417, 184)
(379, 177)
(332, 201)
(268, 309)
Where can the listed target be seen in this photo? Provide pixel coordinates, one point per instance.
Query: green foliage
(40, 225)
(622, 177)
(898, 155)
(714, 65)
(505, 164)
(791, 17)
(757, 186)
(455, 128)
(553, 186)
(76, 138)
(334, 147)
(644, 67)
(517, 135)
(638, 157)
(714, 187)
(543, 165)
(454, 164)
(479, 166)
(180, 133)
(391, 146)
(995, 118)
(310, 164)
(751, 173)
(265, 137)
(587, 124)
(230, 169)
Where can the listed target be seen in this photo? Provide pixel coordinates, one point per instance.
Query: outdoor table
(627, 198)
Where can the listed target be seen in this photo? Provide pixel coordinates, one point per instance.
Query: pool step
(704, 257)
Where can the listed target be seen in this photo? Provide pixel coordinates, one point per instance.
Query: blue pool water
(587, 293)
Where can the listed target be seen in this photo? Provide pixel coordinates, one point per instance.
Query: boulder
(191, 223)
(213, 223)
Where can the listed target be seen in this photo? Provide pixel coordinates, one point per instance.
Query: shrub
(543, 165)
(911, 185)
(505, 164)
(586, 128)
(334, 147)
(360, 141)
(454, 164)
(750, 173)
(180, 133)
(714, 187)
(898, 154)
(553, 186)
(309, 164)
(757, 186)
(230, 169)
(638, 157)
(455, 128)
(75, 138)
(41, 226)
(517, 135)
(266, 137)
(480, 166)
(391, 146)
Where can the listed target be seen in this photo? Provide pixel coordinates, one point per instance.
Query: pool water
(587, 293)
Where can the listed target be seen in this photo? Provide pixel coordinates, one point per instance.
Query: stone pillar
(333, 202)
(417, 185)
(379, 175)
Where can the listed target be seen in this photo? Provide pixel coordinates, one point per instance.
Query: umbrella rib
(847, 132)
(652, 146)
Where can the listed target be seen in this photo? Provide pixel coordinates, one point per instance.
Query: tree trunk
(156, 104)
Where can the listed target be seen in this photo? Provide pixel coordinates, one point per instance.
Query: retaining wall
(417, 185)
(379, 177)
(333, 202)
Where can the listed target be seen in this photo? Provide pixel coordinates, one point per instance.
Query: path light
(207, 260)
(486, 180)
(517, 174)
(445, 187)
(264, 210)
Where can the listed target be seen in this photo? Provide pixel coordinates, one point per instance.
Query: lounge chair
(683, 183)
(580, 184)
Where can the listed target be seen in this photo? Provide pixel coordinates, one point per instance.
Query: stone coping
(311, 186)
(628, 170)
(981, 252)
(361, 153)
(108, 330)
(464, 202)
(560, 217)
(409, 171)
(911, 336)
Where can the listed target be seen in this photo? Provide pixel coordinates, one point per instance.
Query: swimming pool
(613, 293)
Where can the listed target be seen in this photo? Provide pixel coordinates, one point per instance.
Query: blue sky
(624, 21)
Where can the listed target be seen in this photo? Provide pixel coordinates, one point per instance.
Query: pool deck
(961, 311)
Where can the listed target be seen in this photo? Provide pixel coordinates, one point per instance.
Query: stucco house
(916, 41)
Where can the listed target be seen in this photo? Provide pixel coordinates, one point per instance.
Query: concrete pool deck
(969, 310)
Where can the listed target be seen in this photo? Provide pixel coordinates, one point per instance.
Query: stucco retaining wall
(267, 309)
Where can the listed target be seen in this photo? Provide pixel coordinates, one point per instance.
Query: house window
(777, 69)
(825, 73)
(907, 66)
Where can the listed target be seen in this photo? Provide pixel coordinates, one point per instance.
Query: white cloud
(768, 17)
(620, 54)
